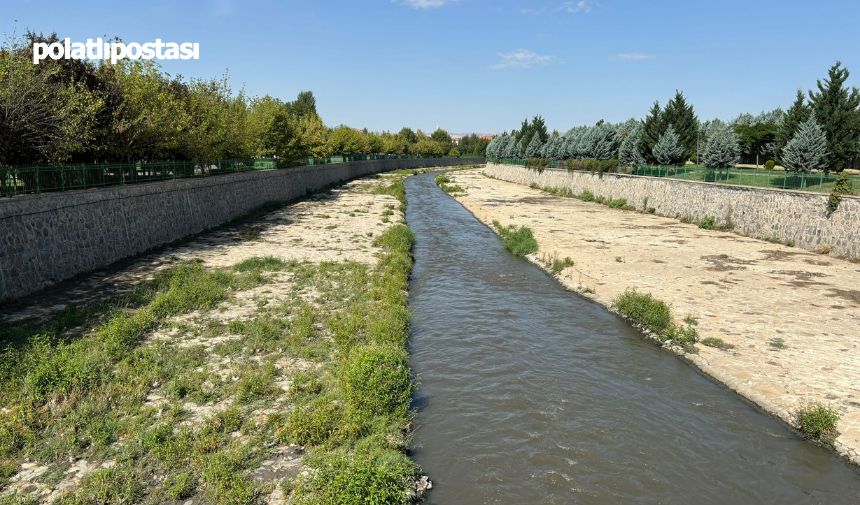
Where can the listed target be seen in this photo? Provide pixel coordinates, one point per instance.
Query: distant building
(456, 139)
(488, 137)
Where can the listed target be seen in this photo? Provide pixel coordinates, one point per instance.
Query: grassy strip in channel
(164, 424)
(518, 240)
(443, 181)
(655, 316)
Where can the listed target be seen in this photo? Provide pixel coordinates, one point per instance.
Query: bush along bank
(201, 385)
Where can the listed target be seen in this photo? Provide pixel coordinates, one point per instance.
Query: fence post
(38, 189)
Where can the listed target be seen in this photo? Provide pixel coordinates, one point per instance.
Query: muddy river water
(532, 394)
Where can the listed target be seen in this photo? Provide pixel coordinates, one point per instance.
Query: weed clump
(643, 309)
(717, 343)
(817, 422)
(560, 264)
(708, 223)
(519, 241)
(656, 316)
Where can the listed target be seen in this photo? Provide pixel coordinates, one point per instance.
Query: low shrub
(842, 187)
(708, 223)
(538, 164)
(643, 309)
(587, 196)
(651, 210)
(717, 343)
(617, 204)
(769, 164)
(817, 422)
(519, 241)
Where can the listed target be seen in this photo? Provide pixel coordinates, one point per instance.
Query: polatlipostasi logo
(99, 49)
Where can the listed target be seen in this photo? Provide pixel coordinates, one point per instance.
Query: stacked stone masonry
(50, 237)
(771, 214)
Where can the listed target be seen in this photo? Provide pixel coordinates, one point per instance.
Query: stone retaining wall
(776, 214)
(50, 237)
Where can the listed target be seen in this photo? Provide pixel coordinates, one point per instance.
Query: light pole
(698, 134)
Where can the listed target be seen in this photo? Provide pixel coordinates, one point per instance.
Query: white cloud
(574, 7)
(522, 58)
(632, 56)
(426, 4)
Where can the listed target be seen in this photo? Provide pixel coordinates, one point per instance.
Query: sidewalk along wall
(771, 214)
(49, 237)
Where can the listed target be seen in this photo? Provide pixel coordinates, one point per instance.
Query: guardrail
(42, 179)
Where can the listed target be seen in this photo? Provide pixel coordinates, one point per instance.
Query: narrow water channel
(530, 394)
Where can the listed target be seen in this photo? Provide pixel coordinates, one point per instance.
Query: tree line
(83, 111)
(820, 131)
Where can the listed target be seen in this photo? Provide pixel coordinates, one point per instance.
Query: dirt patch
(724, 262)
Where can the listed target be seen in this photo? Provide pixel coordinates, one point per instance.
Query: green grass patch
(717, 343)
(518, 240)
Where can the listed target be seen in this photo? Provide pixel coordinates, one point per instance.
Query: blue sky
(479, 65)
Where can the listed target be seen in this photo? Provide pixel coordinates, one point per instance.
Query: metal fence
(814, 181)
(24, 180)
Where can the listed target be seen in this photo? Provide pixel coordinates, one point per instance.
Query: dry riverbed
(791, 316)
(263, 362)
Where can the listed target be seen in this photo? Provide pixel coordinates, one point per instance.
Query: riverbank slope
(791, 315)
(259, 361)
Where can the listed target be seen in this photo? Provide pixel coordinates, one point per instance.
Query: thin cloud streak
(426, 4)
(522, 58)
(575, 7)
(632, 57)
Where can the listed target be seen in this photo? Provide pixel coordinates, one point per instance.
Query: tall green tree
(347, 141)
(835, 105)
(756, 139)
(652, 129)
(796, 115)
(723, 149)
(807, 151)
(668, 149)
(680, 115)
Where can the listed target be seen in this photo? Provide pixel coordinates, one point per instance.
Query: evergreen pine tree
(723, 149)
(492, 147)
(797, 114)
(668, 150)
(628, 152)
(807, 151)
(599, 142)
(835, 106)
(573, 141)
(680, 115)
(533, 150)
(516, 151)
(652, 129)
